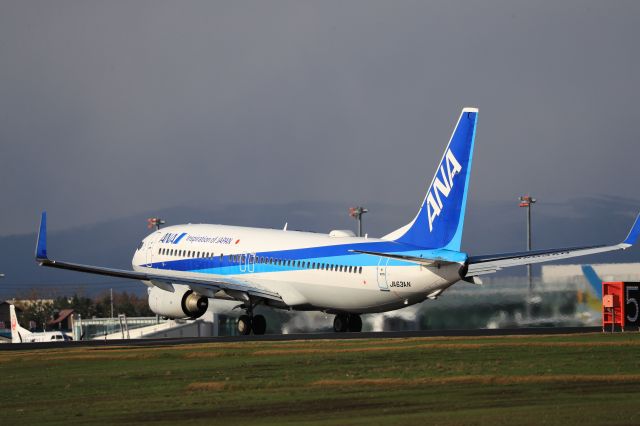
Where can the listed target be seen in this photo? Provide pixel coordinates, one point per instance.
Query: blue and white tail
(17, 332)
(440, 219)
(594, 280)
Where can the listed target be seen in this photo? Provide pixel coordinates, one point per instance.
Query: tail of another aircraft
(594, 280)
(593, 299)
(440, 219)
(16, 331)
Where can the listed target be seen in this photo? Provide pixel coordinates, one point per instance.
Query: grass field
(573, 379)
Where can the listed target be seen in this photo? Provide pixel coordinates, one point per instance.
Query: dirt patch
(363, 382)
(447, 346)
(202, 355)
(102, 357)
(482, 380)
(206, 386)
(331, 350)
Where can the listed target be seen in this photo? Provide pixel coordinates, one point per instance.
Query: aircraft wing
(208, 287)
(486, 264)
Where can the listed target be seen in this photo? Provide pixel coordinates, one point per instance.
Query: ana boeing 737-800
(186, 265)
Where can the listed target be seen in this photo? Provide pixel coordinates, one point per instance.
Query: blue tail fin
(440, 219)
(594, 280)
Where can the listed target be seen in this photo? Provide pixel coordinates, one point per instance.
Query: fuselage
(46, 336)
(308, 270)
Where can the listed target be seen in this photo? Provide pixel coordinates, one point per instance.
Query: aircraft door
(244, 261)
(149, 250)
(251, 261)
(382, 273)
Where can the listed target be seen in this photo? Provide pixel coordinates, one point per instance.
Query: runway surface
(303, 336)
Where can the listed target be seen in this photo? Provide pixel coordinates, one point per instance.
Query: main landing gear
(347, 322)
(250, 322)
(256, 323)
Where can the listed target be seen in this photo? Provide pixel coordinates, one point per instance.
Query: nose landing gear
(347, 322)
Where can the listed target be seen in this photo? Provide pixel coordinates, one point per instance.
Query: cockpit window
(140, 245)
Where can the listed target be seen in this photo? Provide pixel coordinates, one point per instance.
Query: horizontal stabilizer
(473, 280)
(487, 264)
(418, 260)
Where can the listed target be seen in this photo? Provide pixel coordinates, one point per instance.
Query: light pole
(155, 222)
(527, 201)
(356, 213)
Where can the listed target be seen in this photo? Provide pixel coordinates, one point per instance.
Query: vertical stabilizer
(440, 220)
(593, 279)
(17, 332)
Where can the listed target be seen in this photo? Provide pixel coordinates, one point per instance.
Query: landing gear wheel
(355, 323)
(340, 323)
(244, 325)
(259, 324)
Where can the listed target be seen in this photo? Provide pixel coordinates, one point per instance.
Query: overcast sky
(109, 109)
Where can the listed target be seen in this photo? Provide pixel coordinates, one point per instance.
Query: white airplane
(22, 335)
(186, 265)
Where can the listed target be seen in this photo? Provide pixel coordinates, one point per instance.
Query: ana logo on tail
(442, 185)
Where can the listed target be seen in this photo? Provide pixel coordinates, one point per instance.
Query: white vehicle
(22, 335)
(186, 265)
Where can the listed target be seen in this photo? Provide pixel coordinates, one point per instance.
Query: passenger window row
(188, 253)
(237, 258)
(242, 258)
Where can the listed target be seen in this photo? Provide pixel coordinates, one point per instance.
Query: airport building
(606, 272)
(122, 327)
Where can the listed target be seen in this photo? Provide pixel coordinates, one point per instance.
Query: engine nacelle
(179, 304)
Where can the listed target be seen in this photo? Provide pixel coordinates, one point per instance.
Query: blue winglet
(633, 234)
(41, 246)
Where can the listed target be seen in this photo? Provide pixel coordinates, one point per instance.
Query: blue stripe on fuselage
(337, 255)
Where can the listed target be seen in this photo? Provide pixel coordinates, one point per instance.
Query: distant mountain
(489, 228)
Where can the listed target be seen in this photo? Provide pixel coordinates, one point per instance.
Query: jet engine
(179, 304)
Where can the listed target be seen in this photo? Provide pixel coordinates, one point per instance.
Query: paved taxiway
(304, 336)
